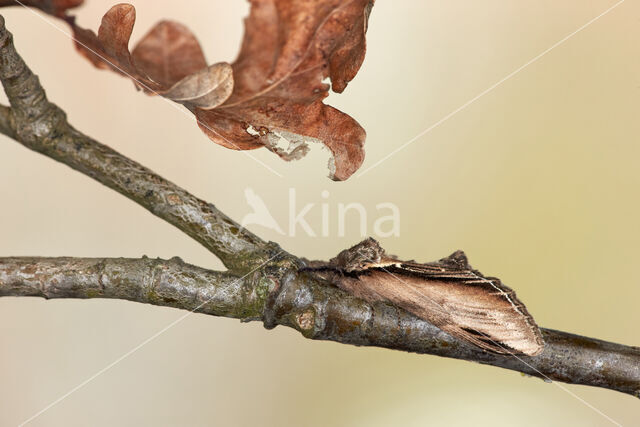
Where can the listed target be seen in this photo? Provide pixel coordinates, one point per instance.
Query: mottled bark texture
(264, 284)
(172, 283)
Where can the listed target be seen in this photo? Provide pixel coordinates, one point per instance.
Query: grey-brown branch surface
(263, 283)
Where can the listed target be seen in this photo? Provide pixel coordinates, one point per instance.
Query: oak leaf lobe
(289, 48)
(168, 61)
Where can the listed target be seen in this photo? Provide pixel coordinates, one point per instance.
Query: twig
(170, 283)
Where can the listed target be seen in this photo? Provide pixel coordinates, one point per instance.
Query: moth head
(364, 255)
(457, 259)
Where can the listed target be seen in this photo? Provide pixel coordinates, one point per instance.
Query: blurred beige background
(537, 181)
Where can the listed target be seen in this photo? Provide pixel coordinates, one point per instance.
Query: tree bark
(264, 282)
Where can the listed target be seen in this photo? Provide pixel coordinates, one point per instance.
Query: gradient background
(537, 181)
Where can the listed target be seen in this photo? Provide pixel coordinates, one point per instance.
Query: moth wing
(478, 309)
(493, 328)
(485, 343)
(456, 299)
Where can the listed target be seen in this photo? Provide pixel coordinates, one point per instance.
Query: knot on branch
(35, 118)
(293, 303)
(320, 310)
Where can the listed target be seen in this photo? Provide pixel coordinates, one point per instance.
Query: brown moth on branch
(271, 96)
(448, 294)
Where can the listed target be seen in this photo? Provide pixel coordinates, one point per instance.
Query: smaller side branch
(171, 283)
(41, 126)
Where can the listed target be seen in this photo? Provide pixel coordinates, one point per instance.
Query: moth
(448, 294)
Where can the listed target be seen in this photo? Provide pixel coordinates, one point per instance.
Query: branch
(275, 289)
(41, 126)
(170, 283)
(314, 308)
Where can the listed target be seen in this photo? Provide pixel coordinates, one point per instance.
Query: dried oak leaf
(168, 61)
(53, 7)
(289, 47)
